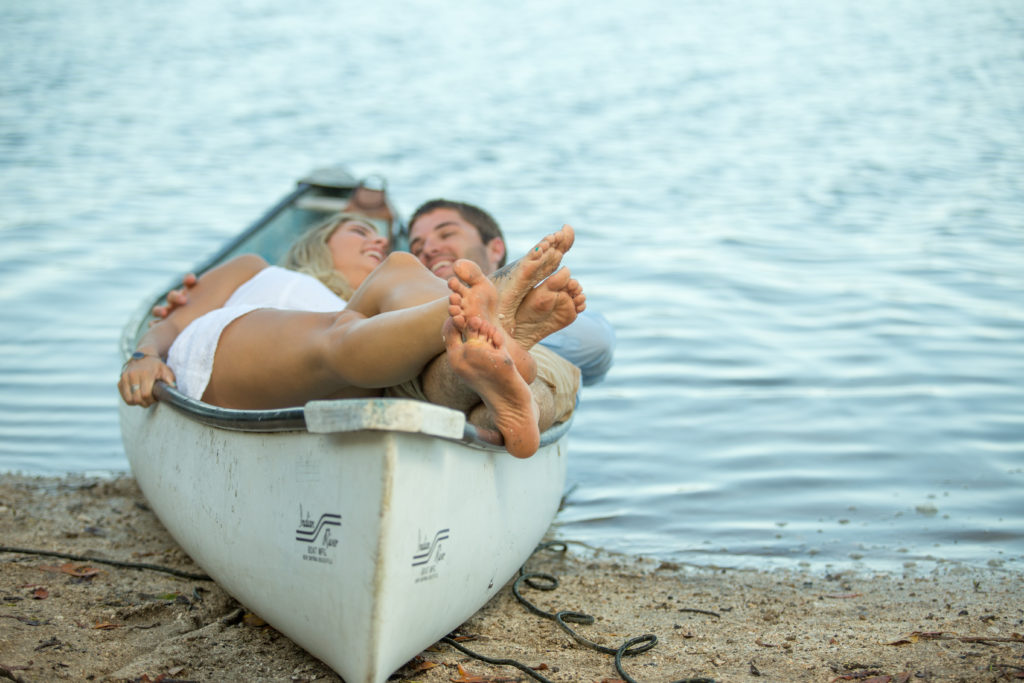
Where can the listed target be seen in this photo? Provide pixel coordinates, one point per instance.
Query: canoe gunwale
(281, 420)
(294, 419)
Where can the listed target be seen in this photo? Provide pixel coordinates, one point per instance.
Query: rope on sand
(547, 582)
(100, 560)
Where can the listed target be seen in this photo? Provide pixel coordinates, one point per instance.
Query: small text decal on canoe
(319, 543)
(429, 554)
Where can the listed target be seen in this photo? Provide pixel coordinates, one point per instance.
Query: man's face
(441, 237)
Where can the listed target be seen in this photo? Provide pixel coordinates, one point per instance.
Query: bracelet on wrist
(137, 355)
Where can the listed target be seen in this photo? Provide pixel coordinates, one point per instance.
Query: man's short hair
(474, 215)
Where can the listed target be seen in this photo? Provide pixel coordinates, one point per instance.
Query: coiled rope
(546, 582)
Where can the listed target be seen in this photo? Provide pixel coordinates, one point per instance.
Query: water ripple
(804, 221)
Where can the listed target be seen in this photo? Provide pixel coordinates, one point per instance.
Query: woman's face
(356, 249)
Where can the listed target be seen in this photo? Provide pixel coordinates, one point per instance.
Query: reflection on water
(804, 222)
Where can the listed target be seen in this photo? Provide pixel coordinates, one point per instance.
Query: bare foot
(477, 353)
(518, 278)
(550, 306)
(474, 295)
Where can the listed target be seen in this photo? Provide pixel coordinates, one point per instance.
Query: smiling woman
(257, 336)
(357, 249)
(340, 252)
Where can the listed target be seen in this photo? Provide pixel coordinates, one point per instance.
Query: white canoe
(364, 530)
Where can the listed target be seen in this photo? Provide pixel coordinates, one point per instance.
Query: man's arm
(588, 343)
(175, 298)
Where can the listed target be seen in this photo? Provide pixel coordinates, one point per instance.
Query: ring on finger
(135, 387)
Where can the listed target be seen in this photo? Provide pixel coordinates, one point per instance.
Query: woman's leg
(399, 282)
(390, 329)
(272, 359)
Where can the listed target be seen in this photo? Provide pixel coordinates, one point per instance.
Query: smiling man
(442, 231)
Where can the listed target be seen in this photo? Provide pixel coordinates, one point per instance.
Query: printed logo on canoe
(429, 554)
(317, 537)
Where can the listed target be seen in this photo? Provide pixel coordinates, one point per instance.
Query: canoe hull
(365, 543)
(364, 530)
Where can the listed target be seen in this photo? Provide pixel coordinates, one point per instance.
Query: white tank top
(191, 355)
(275, 287)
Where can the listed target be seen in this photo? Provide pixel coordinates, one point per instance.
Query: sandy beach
(77, 619)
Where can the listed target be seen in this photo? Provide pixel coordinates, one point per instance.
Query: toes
(473, 324)
(468, 272)
(563, 239)
(494, 335)
(568, 236)
(559, 279)
(454, 304)
(478, 329)
(456, 285)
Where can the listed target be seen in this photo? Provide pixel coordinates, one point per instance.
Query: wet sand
(64, 619)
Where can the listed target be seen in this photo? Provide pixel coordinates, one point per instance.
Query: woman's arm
(146, 366)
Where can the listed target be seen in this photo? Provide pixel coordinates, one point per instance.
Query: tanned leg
(399, 282)
(271, 358)
(390, 329)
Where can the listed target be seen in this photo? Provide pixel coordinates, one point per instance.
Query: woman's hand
(138, 377)
(195, 299)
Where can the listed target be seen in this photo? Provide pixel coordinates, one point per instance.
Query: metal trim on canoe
(280, 420)
(375, 414)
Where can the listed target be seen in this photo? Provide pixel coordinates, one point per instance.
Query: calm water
(806, 221)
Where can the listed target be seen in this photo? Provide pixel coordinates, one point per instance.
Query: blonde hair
(311, 255)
